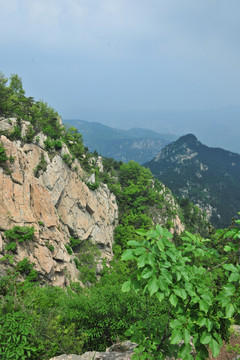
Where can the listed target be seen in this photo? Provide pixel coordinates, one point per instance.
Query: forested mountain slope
(209, 177)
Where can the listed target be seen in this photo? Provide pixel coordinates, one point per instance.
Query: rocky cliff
(37, 188)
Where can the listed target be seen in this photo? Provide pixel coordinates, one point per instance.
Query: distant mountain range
(218, 127)
(209, 177)
(140, 145)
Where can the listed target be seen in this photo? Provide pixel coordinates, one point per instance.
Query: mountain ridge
(208, 176)
(135, 144)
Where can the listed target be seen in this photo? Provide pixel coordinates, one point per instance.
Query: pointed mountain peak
(189, 138)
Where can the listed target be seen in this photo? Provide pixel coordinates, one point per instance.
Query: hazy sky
(118, 55)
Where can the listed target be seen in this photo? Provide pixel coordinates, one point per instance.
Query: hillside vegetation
(161, 287)
(209, 177)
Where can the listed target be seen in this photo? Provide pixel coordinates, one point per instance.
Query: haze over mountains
(140, 145)
(215, 127)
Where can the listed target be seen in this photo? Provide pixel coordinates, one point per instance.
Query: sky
(111, 60)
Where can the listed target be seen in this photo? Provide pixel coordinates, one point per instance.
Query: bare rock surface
(92, 355)
(119, 351)
(57, 202)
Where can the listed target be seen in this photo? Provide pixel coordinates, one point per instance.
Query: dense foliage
(197, 305)
(72, 320)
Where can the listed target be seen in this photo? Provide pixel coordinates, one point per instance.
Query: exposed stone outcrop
(57, 203)
(121, 351)
(169, 212)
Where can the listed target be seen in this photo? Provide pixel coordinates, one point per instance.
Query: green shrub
(67, 159)
(11, 159)
(93, 186)
(16, 334)
(57, 144)
(41, 166)
(32, 276)
(51, 248)
(20, 233)
(86, 261)
(3, 155)
(75, 242)
(15, 134)
(48, 144)
(30, 133)
(24, 266)
(69, 249)
(11, 246)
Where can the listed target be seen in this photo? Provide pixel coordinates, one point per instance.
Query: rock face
(122, 351)
(57, 202)
(169, 211)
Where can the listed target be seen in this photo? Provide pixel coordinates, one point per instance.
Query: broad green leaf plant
(199, 311)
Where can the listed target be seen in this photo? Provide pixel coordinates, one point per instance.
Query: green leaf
(207, 298)
(151, 259)
(136, 286)
(175, 324)
(163, 285)
(160, 296)
(179, 276)
(204, 306)
(160, 245)
(134, 243)
(230, 267)
(173, 300)
(127, 255)
(186, 336)
(141, 261)
(126, 286)
(141, 232)
(153, 286)
(233, 277)
(214, 347)
(227, 248)
(185, 352)
(230, 310)
(180, 293)
(139, 251)
(209, 324)
(167, 275)
(224, 299)
(201, 321)
(147, 273)
(189, 289)
(176, 336)
(205, 338)
(229, 289)
(171, 255)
